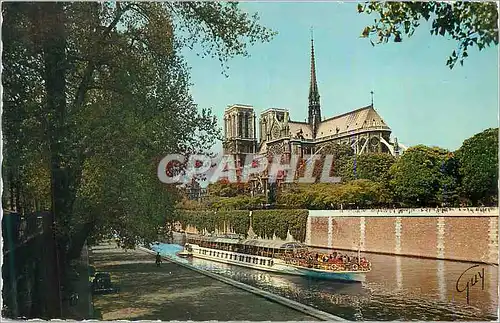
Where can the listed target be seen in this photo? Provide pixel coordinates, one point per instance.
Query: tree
(224, 188)
(372, 166)
(471, 24)
(478, 167)
(98, 92)
(341, 154)
(127, 101)
(418, 177)
(363, 193)
(357, 193)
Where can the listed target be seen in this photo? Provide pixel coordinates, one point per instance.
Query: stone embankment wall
(455, 234)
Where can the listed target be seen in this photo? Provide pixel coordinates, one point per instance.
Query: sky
(419, 97)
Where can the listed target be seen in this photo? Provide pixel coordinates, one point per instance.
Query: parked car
(102, 284)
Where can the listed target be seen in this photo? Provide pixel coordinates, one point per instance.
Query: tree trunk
(52, 19)
(11, 192)
(78, 241)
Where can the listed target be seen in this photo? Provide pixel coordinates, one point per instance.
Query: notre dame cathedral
(363, 129)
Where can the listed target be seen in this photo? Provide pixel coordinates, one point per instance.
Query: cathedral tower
(240, 135)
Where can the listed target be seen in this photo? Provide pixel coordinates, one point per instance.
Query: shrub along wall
(210, 220)
(265, 223)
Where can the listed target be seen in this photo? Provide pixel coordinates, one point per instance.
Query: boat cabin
(264, 248)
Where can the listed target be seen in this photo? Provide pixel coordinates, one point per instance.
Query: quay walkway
(173, 292)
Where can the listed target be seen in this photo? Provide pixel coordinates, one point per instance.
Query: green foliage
(226, 189)
(356, 193)
(420, 174)
(240, 202)
(187, 204)
(372, 166)
(239, 221)
(471, 24)
(478, 159)
(219, 29)
(267, 223)
(341, 154)
(98, 92)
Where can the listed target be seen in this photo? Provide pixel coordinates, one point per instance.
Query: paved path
(172, 292)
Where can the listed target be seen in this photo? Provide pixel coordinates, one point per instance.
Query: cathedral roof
(360, 119)
(295, 127)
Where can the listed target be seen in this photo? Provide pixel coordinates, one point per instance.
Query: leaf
(460, 21)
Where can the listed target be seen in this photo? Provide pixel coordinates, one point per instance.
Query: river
(397, 288)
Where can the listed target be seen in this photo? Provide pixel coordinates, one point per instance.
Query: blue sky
(420, 98)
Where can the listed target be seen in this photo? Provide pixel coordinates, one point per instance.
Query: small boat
(276, 256)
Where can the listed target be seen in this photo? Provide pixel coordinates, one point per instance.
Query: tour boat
(275, 256)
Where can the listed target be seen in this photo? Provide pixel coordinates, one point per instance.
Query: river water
(397, 288)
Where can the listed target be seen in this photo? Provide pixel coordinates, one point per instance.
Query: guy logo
(469, 280)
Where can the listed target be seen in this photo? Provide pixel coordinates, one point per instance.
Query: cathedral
(363, 129)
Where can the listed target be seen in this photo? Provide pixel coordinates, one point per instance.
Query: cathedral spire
(314, 104)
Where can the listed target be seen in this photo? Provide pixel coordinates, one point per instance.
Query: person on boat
(158, 259)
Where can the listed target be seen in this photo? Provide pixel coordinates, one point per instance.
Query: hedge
(266, 223)
(210, 220)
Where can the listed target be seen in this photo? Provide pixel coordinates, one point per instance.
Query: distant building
(195, 192)
(363, 129)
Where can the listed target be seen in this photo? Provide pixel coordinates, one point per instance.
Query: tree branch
(89, 70)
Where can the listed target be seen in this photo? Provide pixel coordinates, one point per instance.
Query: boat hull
(277, 265)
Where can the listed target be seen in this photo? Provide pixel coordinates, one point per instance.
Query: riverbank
(172, 292)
